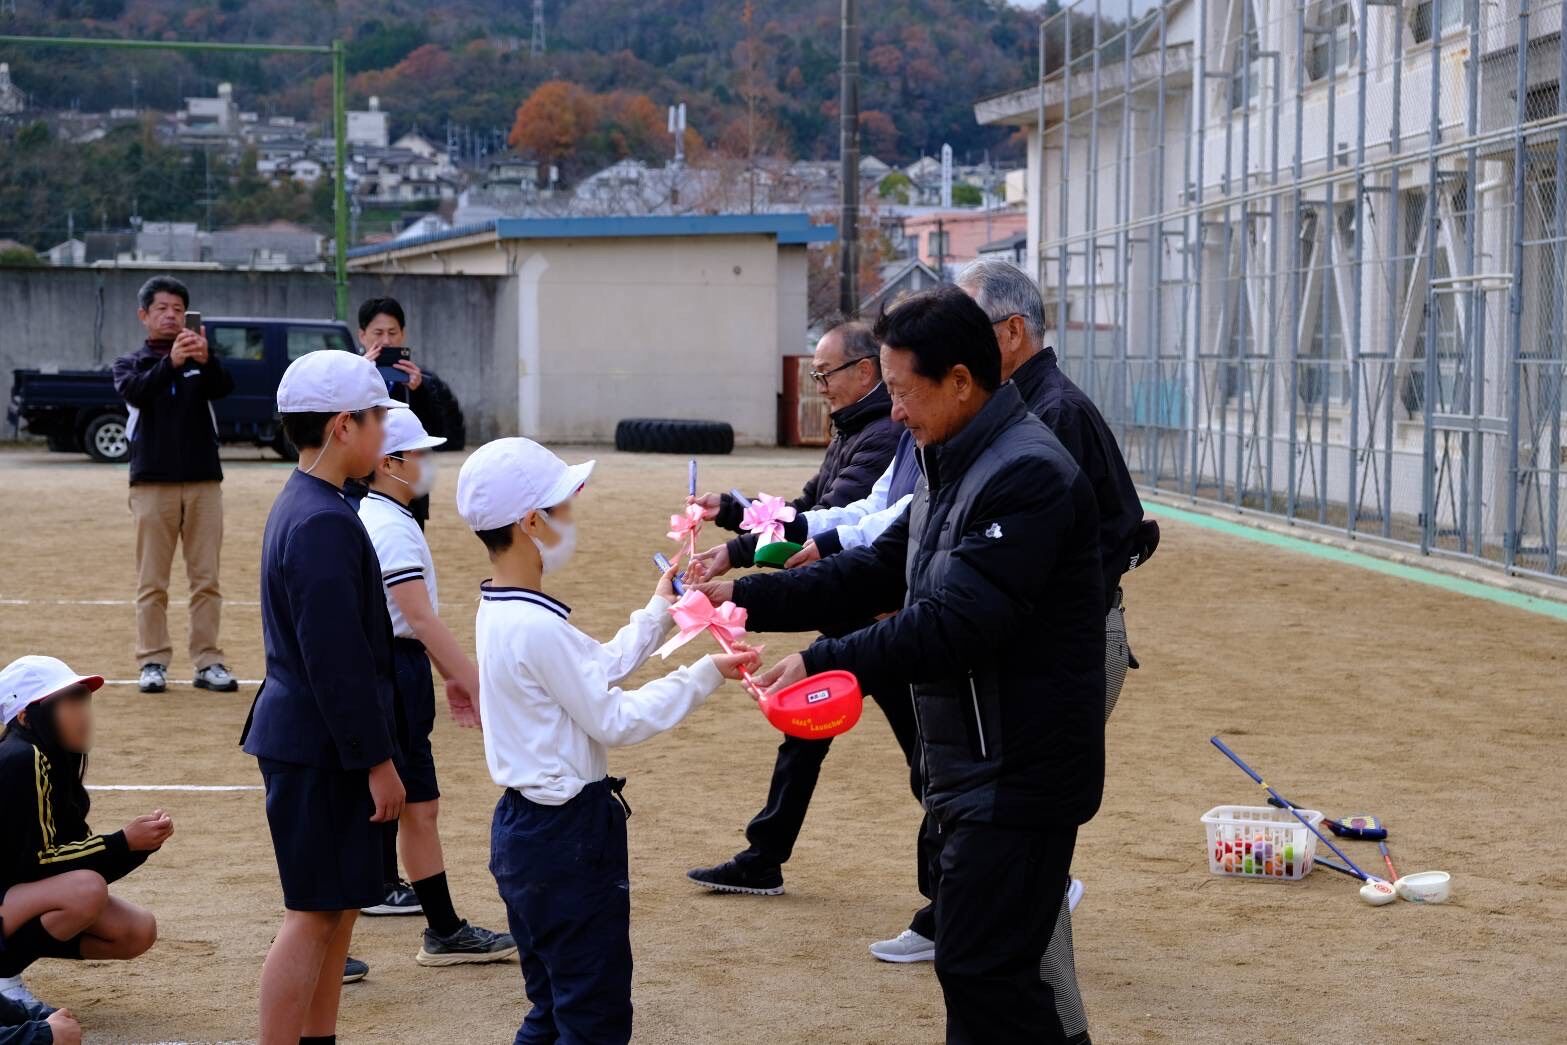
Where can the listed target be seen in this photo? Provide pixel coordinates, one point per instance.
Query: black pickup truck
(78, 410)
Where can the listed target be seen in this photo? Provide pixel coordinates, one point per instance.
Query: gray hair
(1002, 289)
(858, 341)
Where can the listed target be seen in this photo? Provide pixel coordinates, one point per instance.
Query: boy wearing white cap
(406, 471)
(322, 726)
(54, 871)
(551, 706)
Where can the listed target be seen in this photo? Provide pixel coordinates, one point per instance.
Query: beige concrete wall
(682, 327)
(658, 326)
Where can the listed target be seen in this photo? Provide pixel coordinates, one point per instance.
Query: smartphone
(387, 360)
(193, 322)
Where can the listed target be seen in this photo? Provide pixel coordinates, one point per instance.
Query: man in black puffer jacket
(847, 371)
(999, 638)
(848, 375)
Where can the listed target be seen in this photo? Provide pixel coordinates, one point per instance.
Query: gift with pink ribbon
(694, 613)
(765, 517)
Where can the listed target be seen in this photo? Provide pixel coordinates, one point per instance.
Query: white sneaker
(13, 989)
(907, 946)
(1074, 894)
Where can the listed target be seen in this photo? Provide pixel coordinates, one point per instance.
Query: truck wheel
(653, 436)
(105, 439)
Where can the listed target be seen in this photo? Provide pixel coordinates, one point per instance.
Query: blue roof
(788, 228)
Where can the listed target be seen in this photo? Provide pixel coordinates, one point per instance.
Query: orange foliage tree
(554, 120)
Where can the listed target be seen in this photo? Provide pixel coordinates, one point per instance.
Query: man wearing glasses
(847, 370)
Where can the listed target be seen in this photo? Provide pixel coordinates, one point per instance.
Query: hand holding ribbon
(765, 517)
(685, 526)
(694, 613)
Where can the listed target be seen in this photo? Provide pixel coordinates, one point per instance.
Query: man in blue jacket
(176, 497)
(993, 578)
(323, 724)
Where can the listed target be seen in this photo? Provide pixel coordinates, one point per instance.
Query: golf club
(1361, 826)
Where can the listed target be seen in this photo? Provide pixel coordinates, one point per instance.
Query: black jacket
(864, 438)
(174, 435)
(21, 1026)
(327, 697)
(45, 836)
(1061, 405)
(1001, 631)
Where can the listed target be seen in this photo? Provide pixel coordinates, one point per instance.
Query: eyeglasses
(821, 376)
(1002, 319)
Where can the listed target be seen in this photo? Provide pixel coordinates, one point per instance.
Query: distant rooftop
(788, 228)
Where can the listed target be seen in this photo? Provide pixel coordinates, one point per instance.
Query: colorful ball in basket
(818, 707)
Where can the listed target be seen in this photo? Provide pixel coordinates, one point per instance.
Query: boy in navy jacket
(322, 726)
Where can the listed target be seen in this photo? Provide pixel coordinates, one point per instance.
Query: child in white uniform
(551, 705)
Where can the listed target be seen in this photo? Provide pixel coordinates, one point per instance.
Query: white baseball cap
(405, 432)
(27, 680)
(506, 479)
(330, 381)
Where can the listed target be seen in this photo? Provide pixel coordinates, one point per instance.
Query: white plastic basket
(1260, 842)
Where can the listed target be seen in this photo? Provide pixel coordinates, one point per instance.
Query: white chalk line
(174, 787)
(104, 602)
(171, 682)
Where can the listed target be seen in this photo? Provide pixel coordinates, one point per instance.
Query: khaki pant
(167, 514)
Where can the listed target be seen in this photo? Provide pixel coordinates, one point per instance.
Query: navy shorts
(415, 760)
(328, 851)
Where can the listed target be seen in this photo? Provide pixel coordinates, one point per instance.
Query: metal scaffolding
(1310, 257)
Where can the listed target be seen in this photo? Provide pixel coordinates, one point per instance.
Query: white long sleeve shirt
(863, 521)
(548, 695)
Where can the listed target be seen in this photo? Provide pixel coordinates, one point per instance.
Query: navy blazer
(327, 697)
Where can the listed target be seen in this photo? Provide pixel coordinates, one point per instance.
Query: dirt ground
(1352, 691)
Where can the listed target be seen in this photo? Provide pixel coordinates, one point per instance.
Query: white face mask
(557, 555)
(424, 475)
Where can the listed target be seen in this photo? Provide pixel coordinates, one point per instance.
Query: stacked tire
(648, 435)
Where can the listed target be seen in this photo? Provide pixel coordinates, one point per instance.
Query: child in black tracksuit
(55, 871)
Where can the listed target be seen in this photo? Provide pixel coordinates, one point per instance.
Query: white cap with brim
(331, 381)
(506, 479)
(404, 431)
(27, 680)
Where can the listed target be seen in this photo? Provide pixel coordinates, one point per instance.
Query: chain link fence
(1310, 257)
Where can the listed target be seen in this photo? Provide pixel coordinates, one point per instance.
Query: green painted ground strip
(1333, 553)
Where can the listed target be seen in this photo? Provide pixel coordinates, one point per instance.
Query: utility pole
(537, 47)
(849, 163)
(677, 128)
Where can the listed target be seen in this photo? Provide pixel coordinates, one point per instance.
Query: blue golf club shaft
(1233, 757)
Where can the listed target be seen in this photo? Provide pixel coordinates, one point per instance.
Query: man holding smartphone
(176, 493)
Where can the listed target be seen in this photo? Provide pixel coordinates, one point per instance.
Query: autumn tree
(553, 121)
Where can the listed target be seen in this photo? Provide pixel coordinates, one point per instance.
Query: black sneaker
(400, 898)
(354, 970)
(733, 877)
(468, 945)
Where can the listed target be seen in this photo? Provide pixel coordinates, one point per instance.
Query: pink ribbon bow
(694, 613)
(766, 517)
(685, 526)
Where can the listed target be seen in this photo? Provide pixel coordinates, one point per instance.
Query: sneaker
(216, 678)
(468, 945)
(907, 946)
(14, 990)
(400, 899)
(152, 680)
(1074, 894)
(355, 970)
(732, 877)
